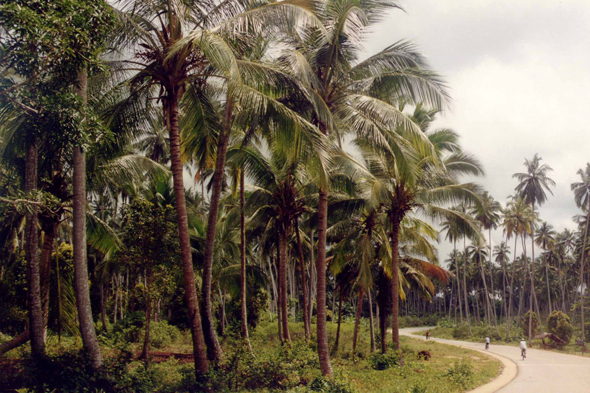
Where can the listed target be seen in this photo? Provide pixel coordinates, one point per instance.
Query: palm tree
(531, 188)
(178, 63)
(581, 191)
(502, 253)
(545, 238)
(406, 181)
(356, 98)
(488, 213)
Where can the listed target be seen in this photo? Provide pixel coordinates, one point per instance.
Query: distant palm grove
(210, 166)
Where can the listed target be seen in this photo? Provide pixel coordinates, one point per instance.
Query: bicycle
(523, 353)
(487, 346)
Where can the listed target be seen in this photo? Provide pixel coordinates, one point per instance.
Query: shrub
(461, 331)
(460, 374)
(559, 324)
(161, 334)
(524, 322)
(380, 361)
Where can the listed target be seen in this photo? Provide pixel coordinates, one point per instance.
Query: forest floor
(296, 369)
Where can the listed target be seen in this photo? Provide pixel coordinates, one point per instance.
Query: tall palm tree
(179, 46)
(359, 97)
(488, 213)
(502, 253)
(545, 238)
(531, 187)
(581, 191)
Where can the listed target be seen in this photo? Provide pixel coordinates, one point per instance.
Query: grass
(296, 369)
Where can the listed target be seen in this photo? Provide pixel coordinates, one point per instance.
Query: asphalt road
(541, 371)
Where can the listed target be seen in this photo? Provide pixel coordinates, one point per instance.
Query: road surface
(541, 372)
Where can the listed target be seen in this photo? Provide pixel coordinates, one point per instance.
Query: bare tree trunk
(303, 281)
(49, 234)
(395, 223)
(322, 333)
(337, 342)
(548, 287)
(214, 351)
(79, 241)
(199, 347)
(279, 291)
(467, 316)
(243, 308)
(511, 291)
(103, 309)
(372, 326)
(32, 255)
(582, 262)
(312, 279)
(458, 279)
(359, 308)
(283, 283)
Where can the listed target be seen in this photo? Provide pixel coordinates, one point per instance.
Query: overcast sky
(519, 73)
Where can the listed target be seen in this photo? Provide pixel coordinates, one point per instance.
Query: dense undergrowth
(271, 366)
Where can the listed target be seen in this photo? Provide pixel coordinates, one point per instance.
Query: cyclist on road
(487, 342)
(523, 348)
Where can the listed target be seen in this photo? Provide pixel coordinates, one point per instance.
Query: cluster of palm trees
(556, 282)
(312, 167)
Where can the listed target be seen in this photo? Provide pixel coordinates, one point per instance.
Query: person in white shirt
(487, 342)
(523, 348)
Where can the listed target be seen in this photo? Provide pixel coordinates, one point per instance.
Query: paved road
(541, 372)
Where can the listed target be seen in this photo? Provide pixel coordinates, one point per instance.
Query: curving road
(541, 372)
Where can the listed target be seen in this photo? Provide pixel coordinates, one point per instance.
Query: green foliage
(162, 334)
(524, 322)
(559, 324)
(13, 295)
(329, 385)
(461, 374)
(380, 361)
(461, 331)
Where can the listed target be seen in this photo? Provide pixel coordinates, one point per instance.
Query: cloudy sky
(519, 73)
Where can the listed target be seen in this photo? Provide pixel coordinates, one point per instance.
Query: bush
(161, 334)
(460, 374)
(461, 331)
(524, 322)
(380, 361)
(560, 325)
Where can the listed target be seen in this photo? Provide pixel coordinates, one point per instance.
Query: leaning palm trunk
(32, 256)
(303, 281)
(244, 311)
(322, 333)
(171, 115)
(214, 351)
(79, 241)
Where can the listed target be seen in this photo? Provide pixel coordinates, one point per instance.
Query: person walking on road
(428, 334)
(487, 343)
(523, 348)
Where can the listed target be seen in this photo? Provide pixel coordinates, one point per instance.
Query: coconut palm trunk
(79, 242)
(199, 348)
(337, 342)
(548, 287)
(322, 332)
(395, 225)
(371, 323)
(465, 286)
(359, 308)
(214, 351)
(283, 283)
(243, 308)
(511, 291)
(32, 255)
(582, 262)
(458, 279)
(303, 281)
